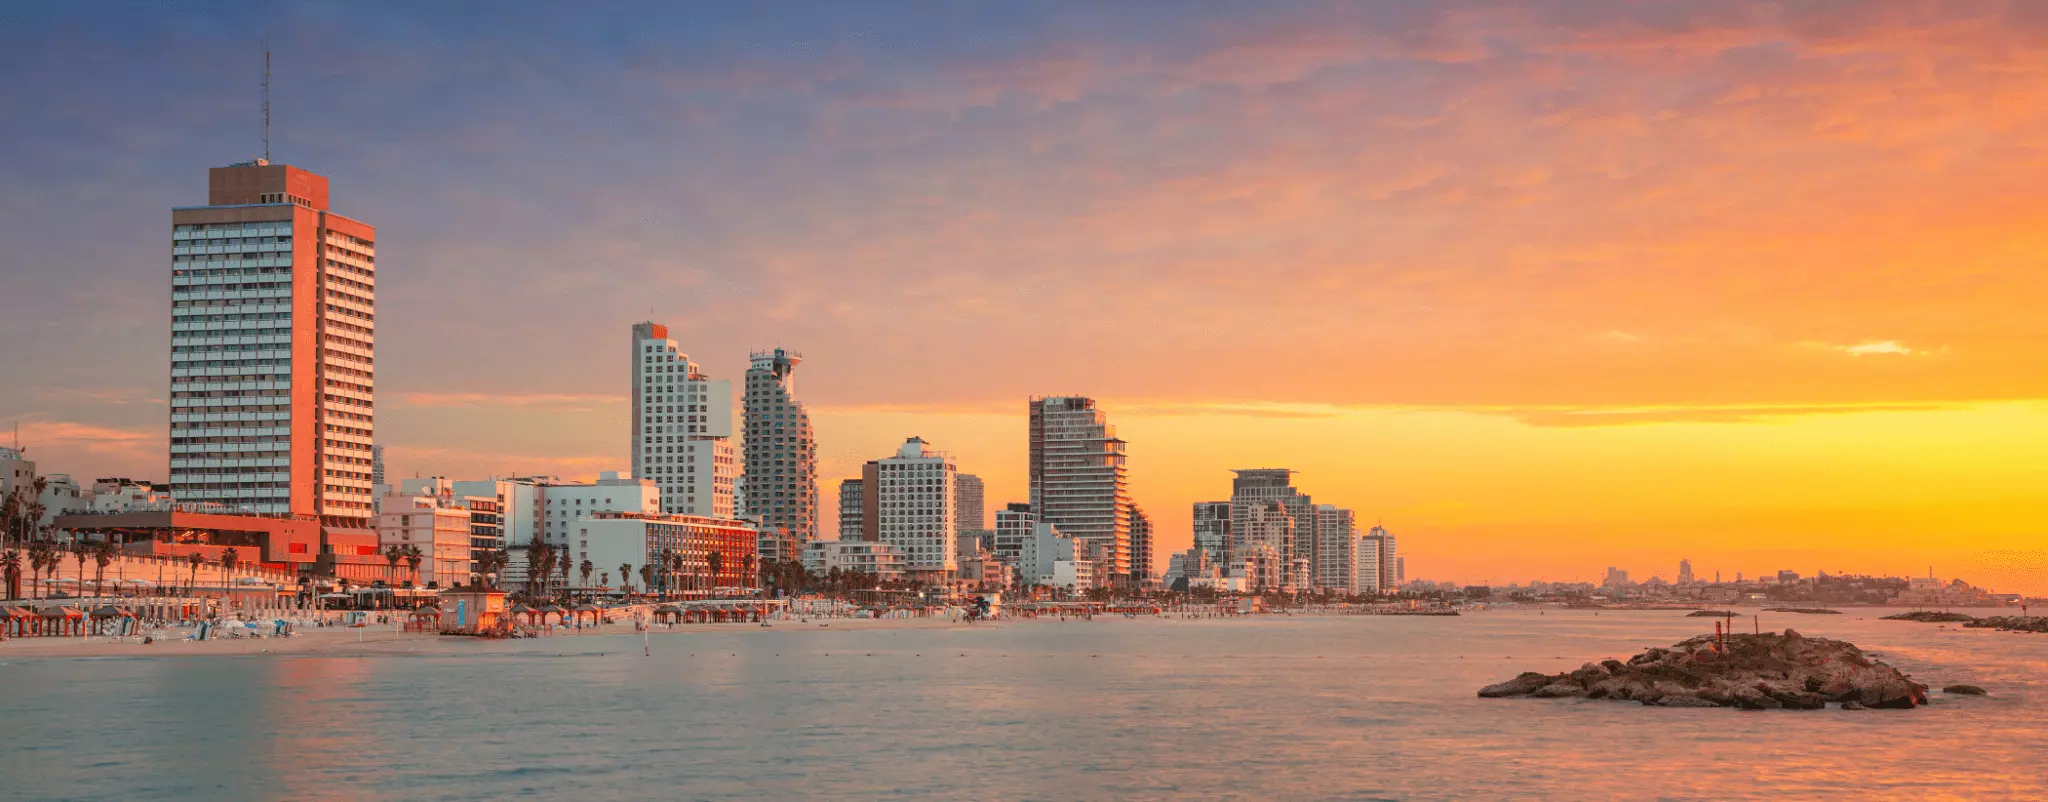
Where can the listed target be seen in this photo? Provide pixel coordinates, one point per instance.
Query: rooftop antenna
(266, 100)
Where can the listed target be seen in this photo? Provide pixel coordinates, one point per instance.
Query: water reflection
(1289, 708)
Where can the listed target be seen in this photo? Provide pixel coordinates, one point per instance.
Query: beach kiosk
(466, 611)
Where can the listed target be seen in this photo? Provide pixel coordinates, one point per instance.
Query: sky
(1544, 286)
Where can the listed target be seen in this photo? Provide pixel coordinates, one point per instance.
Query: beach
(386, 638)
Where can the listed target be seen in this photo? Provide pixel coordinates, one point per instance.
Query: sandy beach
(384, 639)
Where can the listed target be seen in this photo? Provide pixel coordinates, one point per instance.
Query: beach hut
(423, 619)
(561, 615)
(668, 614)
(62, 621)
(524, 609)
(588, 609)
(474, 612)
(21, 622)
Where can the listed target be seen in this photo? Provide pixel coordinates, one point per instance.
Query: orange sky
(1547, 286)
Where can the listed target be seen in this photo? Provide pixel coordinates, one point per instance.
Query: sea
(1269, 707)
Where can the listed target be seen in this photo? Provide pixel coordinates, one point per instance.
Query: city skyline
(1746, 345)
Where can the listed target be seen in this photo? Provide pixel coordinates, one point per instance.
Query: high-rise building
(969, 506)
(1212, 530)
(1685, 576)
(1336, 544)
(1078, 479)
(376, 465)
(781, 451)
(273, 344)
(852, 509)
(1141, 548)
(914, 491)
(682, 428)
(1251, 488)
(1616, 578)
(1386, 555)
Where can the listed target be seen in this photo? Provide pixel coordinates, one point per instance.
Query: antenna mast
(266, 101)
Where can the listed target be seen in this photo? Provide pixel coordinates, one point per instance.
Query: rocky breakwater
(1930, 617)
(1753, 672)
(2010, 623)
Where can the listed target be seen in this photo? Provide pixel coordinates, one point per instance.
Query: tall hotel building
(682, 428)
(273, 342)
(1078, 480)
(915, 493)
(781, 453)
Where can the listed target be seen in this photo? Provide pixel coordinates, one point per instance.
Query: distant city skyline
(1505, 282)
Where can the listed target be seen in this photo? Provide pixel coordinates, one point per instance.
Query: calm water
(1323, 708)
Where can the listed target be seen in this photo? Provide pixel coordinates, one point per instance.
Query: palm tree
(229, 558)
(39, 556)
(716, 562)
(675, 566)
(747, 574)
(78, 553)
(10, 567)
(490, 564)
(392, 554)
(540, 560)
(587, 567)
(102, 555)
(565, 563)
(413, 557)
(647, 578)
(625, 576)
(193, 561)
(604, 580)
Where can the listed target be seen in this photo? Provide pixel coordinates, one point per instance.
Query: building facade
(852, 509)
(682, 428)
(1078, 478)
(781, 450)
(1212, 530)
(969, 504)
(273, 345)
(915, 494)
(432, 523)
(717, 555)
(882, 560)
(1141, 549)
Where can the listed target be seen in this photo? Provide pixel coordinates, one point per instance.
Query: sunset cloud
(1557, 218)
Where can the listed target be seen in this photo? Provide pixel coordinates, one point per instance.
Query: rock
(1560, 690)
(1965, 690)
(1853, 705)
(1931, 617)
(1523, 685)
(1711, 614)
(1681, 700)
(1757, 672)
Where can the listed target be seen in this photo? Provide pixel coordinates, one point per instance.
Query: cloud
(1868, 348)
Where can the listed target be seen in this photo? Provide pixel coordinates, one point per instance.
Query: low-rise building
(439, 529)
(882, 560)
(717, 554)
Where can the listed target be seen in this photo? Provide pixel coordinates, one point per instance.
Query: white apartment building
(1042, 551)
(1336, 538)
(717, 553)
(1366, 572)
(116, 494)
(17, 472)
(439, 529)
(682, 428)
(62, 496)
(549, 508)
(915, 498)
(1390, 568)
(881, 559)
